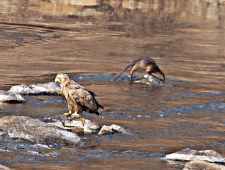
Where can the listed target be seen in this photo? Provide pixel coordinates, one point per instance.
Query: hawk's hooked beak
(57, 81)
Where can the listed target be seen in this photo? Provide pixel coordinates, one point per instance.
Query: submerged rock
(11, 97)
(146, 79)
(149, 79)
(198, 165)
(35, 89)
(33, 130)
(189, 155)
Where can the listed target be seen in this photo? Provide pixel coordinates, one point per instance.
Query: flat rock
(190, 154)
(11, 97)
(198, 165)
(36, 89)
(36, 131)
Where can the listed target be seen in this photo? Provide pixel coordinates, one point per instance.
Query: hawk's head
(60, 78)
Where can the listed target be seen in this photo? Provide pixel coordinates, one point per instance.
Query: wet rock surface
(82, 125)
(36, 89)
(11, 97)
(146, 79)
(105, 130)
(198, 165)
(190, 155)
(2, 167)
(23, 128)
(16, 93)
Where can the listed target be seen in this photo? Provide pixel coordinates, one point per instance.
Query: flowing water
(92, 41)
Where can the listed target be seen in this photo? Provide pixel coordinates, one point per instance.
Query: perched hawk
(77, 96)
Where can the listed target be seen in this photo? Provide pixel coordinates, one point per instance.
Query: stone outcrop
(198, 165)
(11, 97)
(32, 130)
(190, 155)
(82, 125)
(36, 89)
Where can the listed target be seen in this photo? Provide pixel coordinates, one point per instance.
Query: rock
(88, 127)
(4, 168)
(33, 130)
(118, 129)
(91, 127)
(76, 124)
(198, 165)
(11, 97)
(48, 88)
(148, 79)
(189, 155)
(59, 124)
(105, 130)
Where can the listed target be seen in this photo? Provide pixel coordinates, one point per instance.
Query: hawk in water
(78, 97)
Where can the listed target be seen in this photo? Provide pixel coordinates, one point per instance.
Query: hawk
(78, 97)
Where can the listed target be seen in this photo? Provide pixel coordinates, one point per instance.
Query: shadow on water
(92, 41)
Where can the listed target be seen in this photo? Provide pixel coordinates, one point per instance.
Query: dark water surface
(92, 41)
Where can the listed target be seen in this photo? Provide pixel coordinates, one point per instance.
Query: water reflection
(190, 11)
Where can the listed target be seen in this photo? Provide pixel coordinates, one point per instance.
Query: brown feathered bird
(78, 97)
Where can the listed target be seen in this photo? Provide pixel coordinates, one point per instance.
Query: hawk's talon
(75, 115)
(66, 114)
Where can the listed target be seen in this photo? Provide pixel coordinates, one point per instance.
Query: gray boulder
(33, 130)
(190, 154)
(47, 88)
(202, 165)
(11, 97)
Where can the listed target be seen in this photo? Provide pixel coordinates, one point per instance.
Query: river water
(92, 41)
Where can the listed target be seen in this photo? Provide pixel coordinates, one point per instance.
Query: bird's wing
(83, 97)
